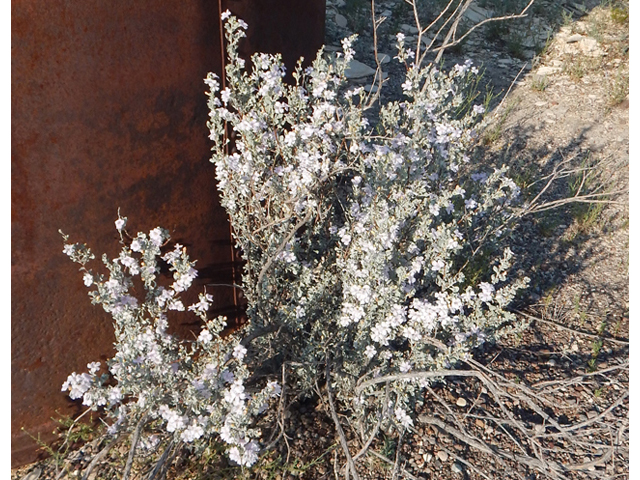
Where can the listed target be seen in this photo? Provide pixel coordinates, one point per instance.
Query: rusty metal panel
(108, 112)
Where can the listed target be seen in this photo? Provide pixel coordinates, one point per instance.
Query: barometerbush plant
(193, 389)
(359, 238)
(368, 254)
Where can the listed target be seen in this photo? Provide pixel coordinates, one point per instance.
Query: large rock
(341, 21)
(476, 14)
(358, 69)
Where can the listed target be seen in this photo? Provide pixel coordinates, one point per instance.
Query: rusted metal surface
(108, 112)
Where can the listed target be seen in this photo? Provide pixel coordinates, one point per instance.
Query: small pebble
(442, 456)
(456, 468)
(461, 402)
(33, 474)
(574, 38)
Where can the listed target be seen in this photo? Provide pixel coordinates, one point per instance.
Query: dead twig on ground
(572, 330)
(343, 440)
(100, 456)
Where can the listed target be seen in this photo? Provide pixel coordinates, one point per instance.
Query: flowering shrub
(360, 243)
(358, 237)
(193, 388)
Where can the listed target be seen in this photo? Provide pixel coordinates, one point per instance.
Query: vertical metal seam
(223, 78)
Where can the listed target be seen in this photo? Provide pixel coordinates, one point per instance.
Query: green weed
(543, 50)
(515, 46)
(579, 311)
(358, 14)
(620, 15)
(618, 87)
(579, 66)
(567, 19)
(539, 83)
(494, 130)
(596, 347)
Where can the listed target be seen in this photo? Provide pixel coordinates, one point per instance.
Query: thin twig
(550, 468)
(66, 440)
(134, 445)
(452, 30)
(343, 441)
(269, 262)
(564, 383)
(445, 45)
(513, 82)
(160, 464)
(373, 96)
(365, 447)
(397, 460)
(591, 421)
(564, 327)
(99, 457)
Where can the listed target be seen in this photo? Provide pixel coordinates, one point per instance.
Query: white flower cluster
(194, 388)
(385, 238)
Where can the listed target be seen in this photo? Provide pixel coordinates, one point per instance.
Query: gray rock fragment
(358, 69)
(574, 38)
(341, 21)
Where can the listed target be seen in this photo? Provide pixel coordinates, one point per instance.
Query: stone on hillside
(547, 71)
(383, 58)
(341, 21)
(574, 38)
(33, 474)
(590, 45)
(580, 7)
(408, 28)
(476, 14)
(358, 69)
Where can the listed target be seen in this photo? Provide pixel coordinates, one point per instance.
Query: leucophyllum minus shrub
(358, 237)
(192, 388)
